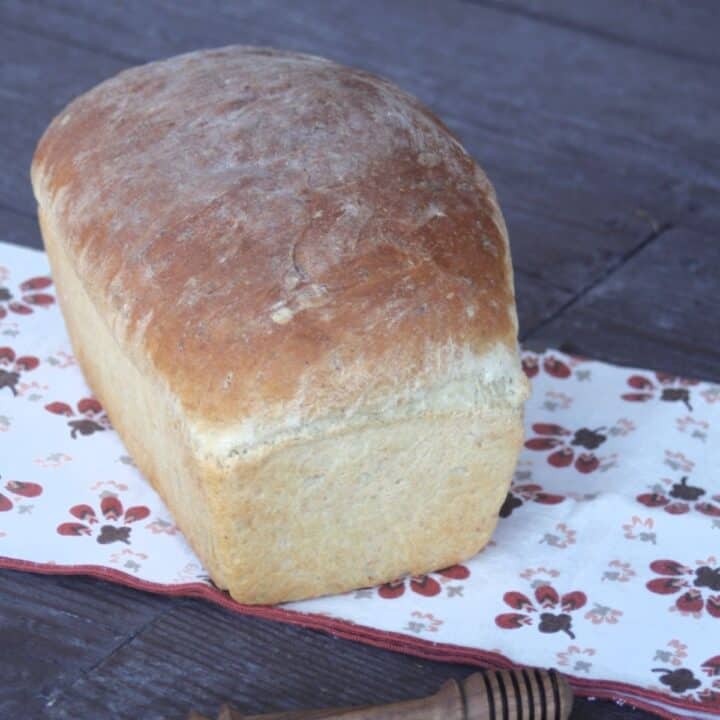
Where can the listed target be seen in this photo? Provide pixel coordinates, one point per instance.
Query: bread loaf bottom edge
(366, 507)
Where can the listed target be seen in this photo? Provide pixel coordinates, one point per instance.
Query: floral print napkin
(605, 563)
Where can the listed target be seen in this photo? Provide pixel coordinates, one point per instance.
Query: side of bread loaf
(304, 282)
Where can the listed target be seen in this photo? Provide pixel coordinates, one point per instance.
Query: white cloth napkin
(605, 563)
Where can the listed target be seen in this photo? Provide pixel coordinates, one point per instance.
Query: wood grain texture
(673, 28)
(537, 302)
(37, 78)
(661, 306)
(196, 655)
(56, 629)
(599, 125)
(612, 160)
(19, 229)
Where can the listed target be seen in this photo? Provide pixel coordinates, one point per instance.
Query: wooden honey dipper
(524, 694)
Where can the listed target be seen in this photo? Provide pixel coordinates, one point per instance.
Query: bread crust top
(274, 233)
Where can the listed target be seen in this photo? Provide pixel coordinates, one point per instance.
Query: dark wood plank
(431, 48)
(37, 80)
(197, 655)
(536, 301)
(133, 31)
(612, 161)
(202, 655)
(659, 310)
(705, 215)
(55, 629)
(671, 27)
(19, 228)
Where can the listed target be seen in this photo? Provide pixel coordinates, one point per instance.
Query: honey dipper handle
(446, 704)
(503, 695)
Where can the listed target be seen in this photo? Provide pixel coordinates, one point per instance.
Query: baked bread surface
(291, 288)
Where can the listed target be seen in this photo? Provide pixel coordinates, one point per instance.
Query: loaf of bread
(290, 287)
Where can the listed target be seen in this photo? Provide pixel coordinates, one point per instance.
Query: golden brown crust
(254, 223)
(305, 282)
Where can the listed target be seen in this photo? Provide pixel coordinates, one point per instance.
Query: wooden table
(599, 124)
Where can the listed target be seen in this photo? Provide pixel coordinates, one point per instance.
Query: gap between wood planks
(55, 694)
(657, 231)
(71, 42)
(574, 26)
(546, 18)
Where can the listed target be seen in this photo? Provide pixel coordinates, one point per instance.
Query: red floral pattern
(681, 498)
(575, 396)
(94, 420)
(562, 443)
(669, 388)
(546, 598)
(12, 367)
(550, 364)
(112, 510)
(529, 492)
(30, 297)
(703, 688)
(704, 593)
(19, 489)
(427, 585)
